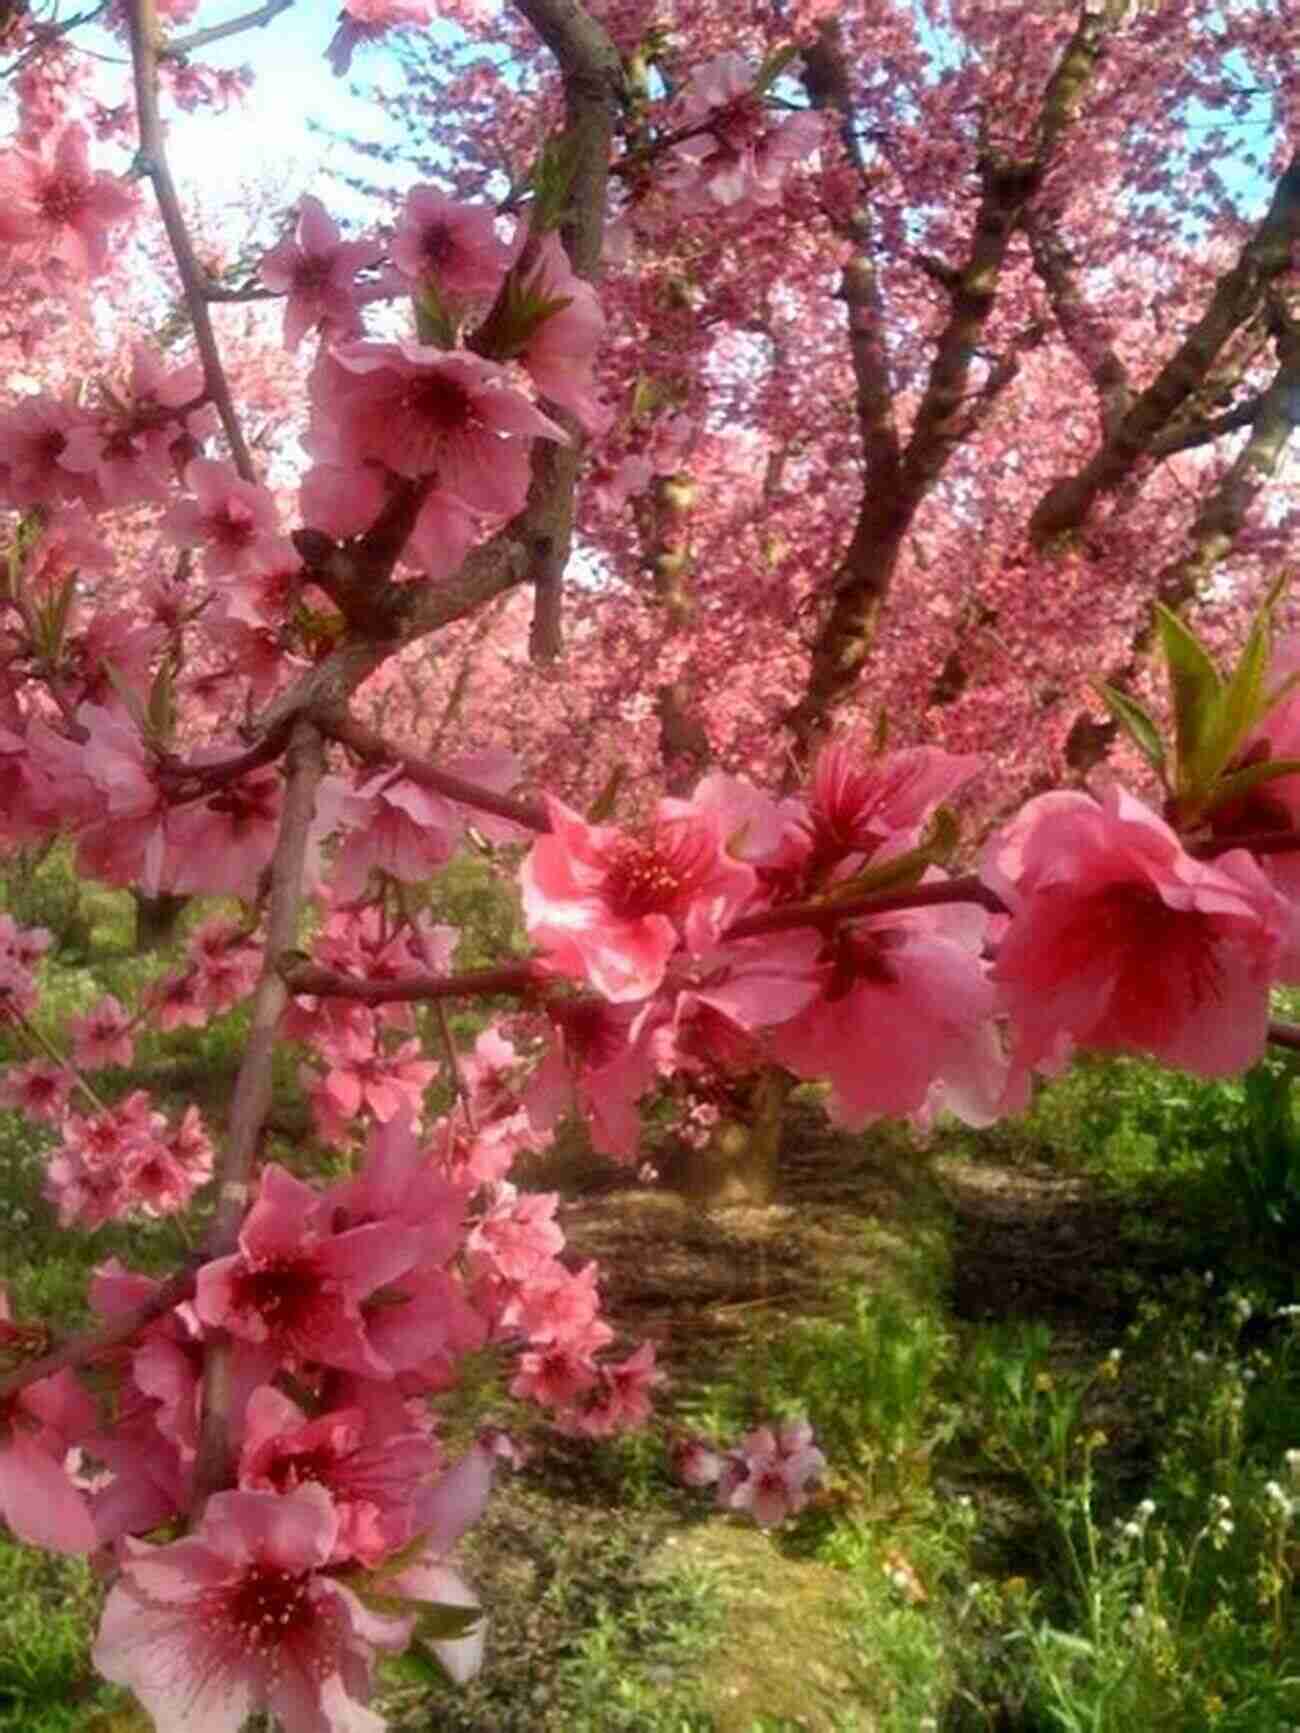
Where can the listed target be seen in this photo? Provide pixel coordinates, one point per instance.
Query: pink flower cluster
(767, 1476)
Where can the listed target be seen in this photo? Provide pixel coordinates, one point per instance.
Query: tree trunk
(156, 919)
(740, 1163)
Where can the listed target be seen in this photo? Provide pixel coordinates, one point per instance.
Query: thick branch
(515, 978)
(1237, 298)
(1211, 537)
(859, 586)
(592, 73)
(142, 18)
(1079, 324)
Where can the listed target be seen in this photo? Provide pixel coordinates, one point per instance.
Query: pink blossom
(35, 436)
(40, 1089)
(621, 1399)
(561, 352)
(296, 1287)
(366, 21)
(744, 153)
(1121, 941)
(372, 1476)
(384, 1084)
(423, 412)
(860, 799)
(601, 1065)
(241, 1617)
(611, 906)
(317, 270)
(103, 1036)
(132, 447)
(234, 520)
(56, 203)
(37, 1427)
(220, 845)
(904, 1001)
(454, 246)
(443, 1513)
(401, 828)
(769, 1474)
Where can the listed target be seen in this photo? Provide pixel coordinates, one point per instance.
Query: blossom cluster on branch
(249, 1448)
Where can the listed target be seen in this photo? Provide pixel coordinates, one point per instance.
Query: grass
(1054, 1368)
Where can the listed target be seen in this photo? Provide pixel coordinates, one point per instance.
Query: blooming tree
(208, 634)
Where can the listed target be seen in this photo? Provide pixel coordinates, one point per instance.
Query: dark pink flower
(296, 1286)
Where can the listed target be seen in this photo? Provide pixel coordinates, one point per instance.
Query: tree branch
(1237, 298)
(88, 1345)
(257, 20)
(305, 765)
(142, 20)
(859, 586)
(371, 745)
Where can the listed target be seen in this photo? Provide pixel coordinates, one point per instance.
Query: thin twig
(257, 20)
(142, 19)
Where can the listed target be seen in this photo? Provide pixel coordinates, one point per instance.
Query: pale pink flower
(561, 352)
(742, 158)
(904, 1001)
(622, 1397)
(132, 447)
(37, 1427)
(1120, 940)
(770, 1473)
(235, 521)
(372, 1474)
(611, 906)
(35, 436)
(57, 205)
(40, 1089)
(220, 845)
(240, 1617)
(453, 246)
(317, 270)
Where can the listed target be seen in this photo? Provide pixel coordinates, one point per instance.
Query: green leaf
(1195, 685)
(443, 1622)
(1241, 782)
(1136, 722)
(160, 718)
(129, 696)
(940, 840)
(1241, 703)
(434, 323)
(775, 65)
